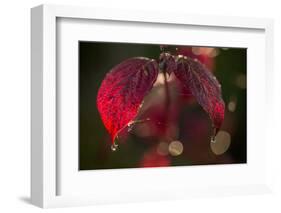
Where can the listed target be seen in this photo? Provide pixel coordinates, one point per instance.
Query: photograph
(161, 105)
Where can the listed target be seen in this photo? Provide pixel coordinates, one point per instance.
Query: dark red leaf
(122, 92)
(204, 87)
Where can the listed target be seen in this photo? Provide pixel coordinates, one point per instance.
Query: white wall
(15, 104)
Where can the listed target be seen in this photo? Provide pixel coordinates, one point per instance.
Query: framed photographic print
(137, 106)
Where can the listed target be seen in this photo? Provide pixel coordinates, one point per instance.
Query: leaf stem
(168, 101)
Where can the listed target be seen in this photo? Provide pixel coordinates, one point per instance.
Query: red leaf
(122, 91)
(203, 86)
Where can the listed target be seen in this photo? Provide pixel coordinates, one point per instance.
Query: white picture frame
(45, 157)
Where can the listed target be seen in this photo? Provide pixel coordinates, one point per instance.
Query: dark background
(194, 129)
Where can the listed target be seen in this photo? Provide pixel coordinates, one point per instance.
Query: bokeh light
(223, 141)
(241, 81)
(163, 148)
(175, 148)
